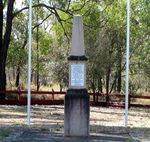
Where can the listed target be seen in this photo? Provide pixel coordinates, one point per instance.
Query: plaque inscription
(77, 75)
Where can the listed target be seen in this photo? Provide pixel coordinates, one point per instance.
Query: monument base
(77, 113)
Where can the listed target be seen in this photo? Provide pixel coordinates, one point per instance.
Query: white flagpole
(29, 63)
(127, 63)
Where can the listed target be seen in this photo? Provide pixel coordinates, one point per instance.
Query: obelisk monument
(77, 98)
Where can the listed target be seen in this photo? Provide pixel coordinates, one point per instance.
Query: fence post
(53, 94)
(129, 102)
(97, 94)
(19, 94)
(107, 99)
(94, 97)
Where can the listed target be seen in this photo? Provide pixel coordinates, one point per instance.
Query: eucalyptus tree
(104, 24)
(140, 71)
(5, 40)
(6, 21)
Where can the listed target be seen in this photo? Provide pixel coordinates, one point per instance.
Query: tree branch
(1, 24)
(60, 21)
(69, 2)
(41, 22)
(41, 5)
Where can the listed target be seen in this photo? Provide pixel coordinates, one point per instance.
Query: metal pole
(127, 63)
(29, 63)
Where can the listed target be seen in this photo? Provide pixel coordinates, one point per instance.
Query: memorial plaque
(77, 75)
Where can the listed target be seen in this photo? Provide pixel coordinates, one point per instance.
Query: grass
(4, 133)
(132, 140)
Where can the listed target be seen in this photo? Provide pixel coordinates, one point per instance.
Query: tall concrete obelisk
(77, 99)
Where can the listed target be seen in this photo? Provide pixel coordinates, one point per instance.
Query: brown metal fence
(106, 100)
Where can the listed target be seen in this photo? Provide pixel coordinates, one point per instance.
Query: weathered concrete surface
(76, 113)
(77, 44)
(38, 136)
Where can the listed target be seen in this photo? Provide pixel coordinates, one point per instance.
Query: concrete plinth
(77, 113)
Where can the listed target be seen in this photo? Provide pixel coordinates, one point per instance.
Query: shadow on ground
(45, 133)
(48, 125)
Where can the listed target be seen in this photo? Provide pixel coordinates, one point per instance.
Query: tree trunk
(119, 80)
(108, 70)
(108, 79)
(93, 90)
(107, 84)
(119, 66)
(2, 69)
(1, 24)
(2, 81)
(37, 48)
(114, 86)
(5, 45)
(18, 76)
(61, 87)
(100, 85)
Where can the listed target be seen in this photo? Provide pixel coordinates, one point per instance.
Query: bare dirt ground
(13, 119)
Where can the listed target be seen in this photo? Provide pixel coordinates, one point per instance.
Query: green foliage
(105, 42)
(17, 55)
(3, 134)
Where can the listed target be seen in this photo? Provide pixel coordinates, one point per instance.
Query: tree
(53, 8)
(105, 30)
(4, 42)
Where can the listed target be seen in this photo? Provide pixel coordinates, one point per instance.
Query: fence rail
(101, 99)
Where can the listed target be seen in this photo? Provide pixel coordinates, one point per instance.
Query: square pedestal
(77, 113)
